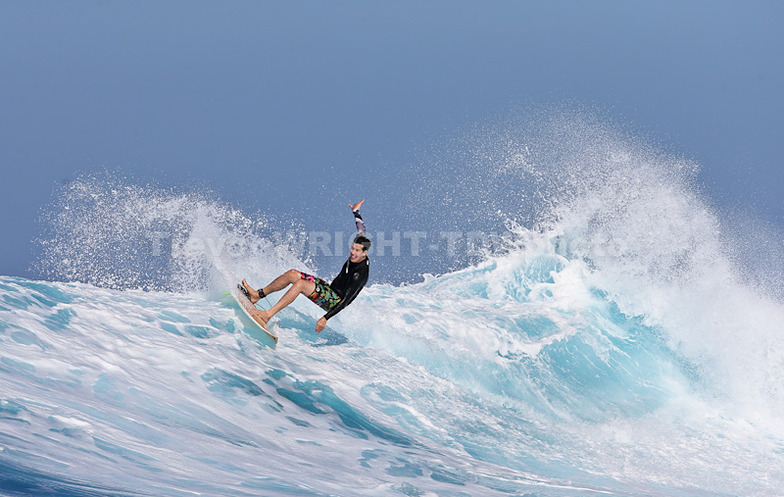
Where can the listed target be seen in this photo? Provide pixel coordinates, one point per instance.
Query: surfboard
(246, 307)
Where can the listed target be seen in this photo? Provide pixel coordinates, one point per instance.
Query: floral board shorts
(323, 296)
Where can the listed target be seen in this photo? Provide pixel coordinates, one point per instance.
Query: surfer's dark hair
(364, 241)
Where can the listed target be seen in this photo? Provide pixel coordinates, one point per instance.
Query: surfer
(333, 297)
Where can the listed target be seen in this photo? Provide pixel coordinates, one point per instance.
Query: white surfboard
(246, 307)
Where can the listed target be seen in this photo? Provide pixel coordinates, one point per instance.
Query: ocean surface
(622, 341)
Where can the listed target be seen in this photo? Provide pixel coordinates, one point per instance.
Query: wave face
(620, 344)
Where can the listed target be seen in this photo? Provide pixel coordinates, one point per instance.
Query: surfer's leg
(288, 278)
(300, 286)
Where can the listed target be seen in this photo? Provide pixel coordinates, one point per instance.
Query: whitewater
(620, 341)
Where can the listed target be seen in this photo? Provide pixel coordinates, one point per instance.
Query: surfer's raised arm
(357, 218)
(332, 297)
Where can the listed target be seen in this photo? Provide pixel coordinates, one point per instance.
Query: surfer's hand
(320, 324)
(355, 207)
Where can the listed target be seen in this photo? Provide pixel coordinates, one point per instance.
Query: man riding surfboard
(332, 297)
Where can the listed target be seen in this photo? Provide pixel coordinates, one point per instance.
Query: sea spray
(652, 242)
(108, 231)
(658, 248)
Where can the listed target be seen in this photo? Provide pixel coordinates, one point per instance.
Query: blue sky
(270, 104)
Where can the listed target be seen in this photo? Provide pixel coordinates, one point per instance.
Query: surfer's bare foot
(253, 295)
(263, 315)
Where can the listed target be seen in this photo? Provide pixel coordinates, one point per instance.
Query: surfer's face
(358, 253)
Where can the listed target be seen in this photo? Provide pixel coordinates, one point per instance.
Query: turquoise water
(518, 376)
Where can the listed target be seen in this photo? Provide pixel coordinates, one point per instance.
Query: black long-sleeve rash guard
(352, 277)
